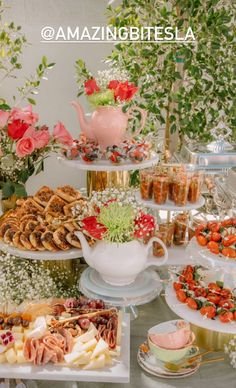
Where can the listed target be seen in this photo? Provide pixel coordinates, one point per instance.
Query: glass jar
(167, 229)
(157, 249)
(160, 188)
(146, 184)
(180, 188)
(180, 229)
(195, 186)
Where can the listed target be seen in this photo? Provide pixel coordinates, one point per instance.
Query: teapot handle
(143, 118)
(152, 260)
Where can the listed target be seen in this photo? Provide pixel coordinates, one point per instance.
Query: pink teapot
(108, 124)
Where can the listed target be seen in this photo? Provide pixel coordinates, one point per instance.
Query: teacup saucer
(150, 364)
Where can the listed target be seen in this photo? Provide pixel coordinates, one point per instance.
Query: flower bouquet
(108, 93)
(24, 146)
(119, 225)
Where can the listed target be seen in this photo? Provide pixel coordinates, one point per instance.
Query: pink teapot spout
(84, 123)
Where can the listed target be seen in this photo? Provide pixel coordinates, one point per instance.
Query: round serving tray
(106, 165)
(169, 205)
(146, 287)
(204, 257)
(194, 317)
(73, 253)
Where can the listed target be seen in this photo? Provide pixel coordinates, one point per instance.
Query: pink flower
(25, 146)
(41, 136)
(61, 134)
(4, 116)
(16, 129)
(25, 114)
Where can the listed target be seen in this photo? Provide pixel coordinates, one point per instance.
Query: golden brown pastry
(8, 236)
(36, 240)
(73, 240)
(48, 241)
(55, 206)
(4, 227)
(25, 241)
(31, 206)
(16, 241)
(71, 225)
(31, 225)
(68, 193)
(68, 208)
(43, 195)
(59, 237)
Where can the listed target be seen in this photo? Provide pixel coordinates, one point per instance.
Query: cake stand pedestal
(146, 287)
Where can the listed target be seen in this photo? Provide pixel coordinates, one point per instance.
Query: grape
(84, 323)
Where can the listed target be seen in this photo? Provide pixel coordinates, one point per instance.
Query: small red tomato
(226, 304)
(202, 240)
(192, 285)
(177, 286)
(190, 268)
(208, 311)
(229, 252)
(188, 277)
(181, 296)
(215, 236)
(229, 222)
(200, 292)
(192, 304)
(214, 226)
(229, 240)
(226, 293)
(234, 315)
(199, 229)
(214, 288)
(213, 298)
(226, 316)
(213, 247)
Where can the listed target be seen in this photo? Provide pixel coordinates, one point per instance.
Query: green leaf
(20, 190)
(23, 176)
(40, 167)
(31, 101)
(44, 61)
(8, 189)
(5, 107)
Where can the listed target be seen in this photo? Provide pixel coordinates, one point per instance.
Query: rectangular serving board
(118, 373)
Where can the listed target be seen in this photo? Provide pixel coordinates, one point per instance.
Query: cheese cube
(96, 363)
(11, 356)
(83, 359)
(89, 345)
(3, 358)
(18, 345)
(72, 357)
(88, 336)
(17, 329)
(101, 347)
(20, 358)
(19, 336)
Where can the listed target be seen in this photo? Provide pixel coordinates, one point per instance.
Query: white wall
(56, 93)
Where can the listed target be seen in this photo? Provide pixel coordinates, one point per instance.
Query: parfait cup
(180, 229)
(195, 186)
(180, 189)
(146, 184)
(160, 188)
(167, 229)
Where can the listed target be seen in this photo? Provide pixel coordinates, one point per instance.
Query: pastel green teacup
(169, 355)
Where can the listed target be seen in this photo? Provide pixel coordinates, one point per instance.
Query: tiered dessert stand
(147, 285)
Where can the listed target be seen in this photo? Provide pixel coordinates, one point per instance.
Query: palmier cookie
(48, 241)
(8, 236)
(36, 240)
(16, 241)
(25, 241)
(59, 237)
(73, 240)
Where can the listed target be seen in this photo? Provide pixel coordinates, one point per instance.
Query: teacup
(171, 334)
(172, 355)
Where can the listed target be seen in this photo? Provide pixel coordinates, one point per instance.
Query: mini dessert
(59, 237)
(180, 189)
(55, 206)
(180, 229)
(48, 241)
(43, 195)
(195, 185)
(68, 193)
(146, 184)
(160, 188)
(170, 335)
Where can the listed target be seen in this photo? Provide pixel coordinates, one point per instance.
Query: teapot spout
(84, 124)
(87, 251)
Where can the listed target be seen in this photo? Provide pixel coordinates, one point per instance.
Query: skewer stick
(81, 316)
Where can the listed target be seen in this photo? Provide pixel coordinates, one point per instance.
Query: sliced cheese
(84, 358)
(88, 336)
(19, 336)
(17, 329)
(20, 359)
(18, 345)
(2, 358)
(96, 363)
(72, 357)
(90, 345)
(100, 348)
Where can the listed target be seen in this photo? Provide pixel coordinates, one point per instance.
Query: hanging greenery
(184, 87)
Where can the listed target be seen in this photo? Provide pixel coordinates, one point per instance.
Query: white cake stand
(169, 205)
(144, 289)
(194, 317)
(73, 253)
(106, 165)
(202, 255)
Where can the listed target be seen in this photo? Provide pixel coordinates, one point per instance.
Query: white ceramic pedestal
(144, 289)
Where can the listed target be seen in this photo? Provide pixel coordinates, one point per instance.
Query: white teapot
(120, 263)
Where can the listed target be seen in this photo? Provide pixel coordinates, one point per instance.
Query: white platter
(169, 205)
(106, 165)
(73, 253)
(204, 257)
(118, 373)
(194, 317)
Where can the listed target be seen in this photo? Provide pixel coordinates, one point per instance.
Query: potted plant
(119, 226)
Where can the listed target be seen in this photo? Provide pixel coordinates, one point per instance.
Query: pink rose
(41, 136)
(25, 146)
(61, 134)
(25, 114)
(4, 116)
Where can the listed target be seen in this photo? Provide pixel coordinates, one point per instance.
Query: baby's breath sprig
(230, 349)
